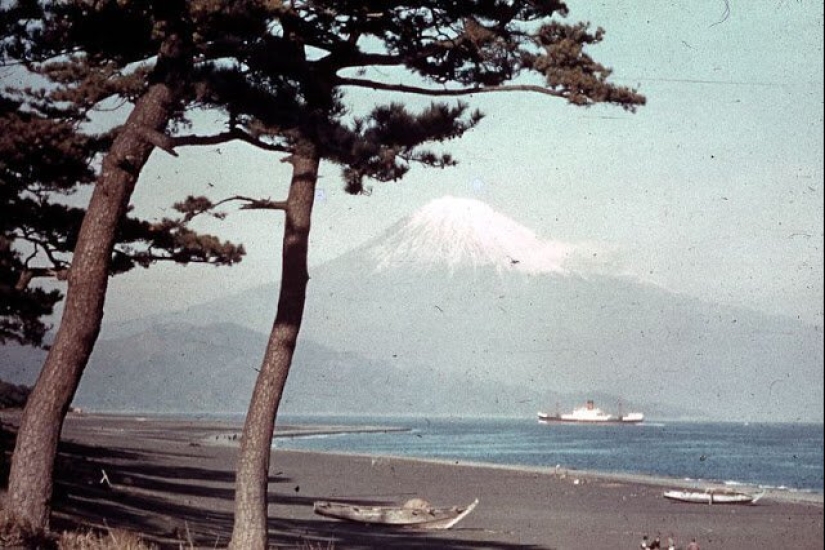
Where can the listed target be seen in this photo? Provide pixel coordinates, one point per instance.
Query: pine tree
(39, 157)
(144, 56)
(43, 160)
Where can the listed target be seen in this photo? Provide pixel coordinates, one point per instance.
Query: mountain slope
(463, 295)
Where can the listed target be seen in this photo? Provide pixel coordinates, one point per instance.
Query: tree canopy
(46, 155)
(44, 160)
(291, 80)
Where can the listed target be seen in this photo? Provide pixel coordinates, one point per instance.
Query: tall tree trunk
(31, 474)
(30, 478)
(251, 484)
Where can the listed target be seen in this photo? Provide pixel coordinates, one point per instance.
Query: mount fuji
(460, 310)
(464, 233)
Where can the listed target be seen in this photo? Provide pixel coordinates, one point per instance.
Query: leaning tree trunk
(31, 475)
(252, 478)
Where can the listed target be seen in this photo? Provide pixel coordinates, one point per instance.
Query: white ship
(590, 414)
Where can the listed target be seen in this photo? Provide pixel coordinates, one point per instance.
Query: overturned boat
(713, 496)
(415, 513)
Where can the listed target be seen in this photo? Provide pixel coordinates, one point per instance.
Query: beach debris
(105, 478)
(379, 461)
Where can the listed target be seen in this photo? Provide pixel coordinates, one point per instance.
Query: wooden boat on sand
(415, 513)
(713, 496)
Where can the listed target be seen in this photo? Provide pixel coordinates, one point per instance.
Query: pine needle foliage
(291, 81)
(46, 156)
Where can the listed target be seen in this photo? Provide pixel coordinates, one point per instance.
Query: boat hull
(553, 419)
(712, 497)
(395, 516)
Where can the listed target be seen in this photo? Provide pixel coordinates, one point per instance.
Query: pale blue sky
(714, 189)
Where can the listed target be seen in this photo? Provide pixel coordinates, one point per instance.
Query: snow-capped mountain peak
(459, 232)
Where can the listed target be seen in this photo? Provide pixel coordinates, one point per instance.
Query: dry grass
(19, 534)
(114, 539)
(15, 534)
(312, 545)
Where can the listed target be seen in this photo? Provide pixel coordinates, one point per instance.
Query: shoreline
(561, 472)
(165, 480)
(229, 434)
(222, 432)
(811, 496)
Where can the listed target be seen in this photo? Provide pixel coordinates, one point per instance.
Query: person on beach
(644, 545)
(657, 544)
(693, 545)
(671, 543)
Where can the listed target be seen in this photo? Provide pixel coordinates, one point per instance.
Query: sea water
(788, 456)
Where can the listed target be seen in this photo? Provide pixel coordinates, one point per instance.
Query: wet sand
(172, 481)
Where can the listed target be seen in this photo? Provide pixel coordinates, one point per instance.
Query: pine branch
(150, 257)
(30, 273)
(364, 83)
(196, 206)
(225, 137)
(255, 204)
(159, 140)
(40, 246)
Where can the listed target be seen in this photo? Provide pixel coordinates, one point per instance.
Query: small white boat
(415, 513)
(713, 496)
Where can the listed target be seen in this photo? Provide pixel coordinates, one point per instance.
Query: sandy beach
(172, 481)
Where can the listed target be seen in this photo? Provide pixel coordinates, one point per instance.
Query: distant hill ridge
(180, 368)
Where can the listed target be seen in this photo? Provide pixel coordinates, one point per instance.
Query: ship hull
(590, 414)
(547, 419)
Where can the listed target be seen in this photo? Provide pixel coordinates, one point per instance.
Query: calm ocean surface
(786, 456)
